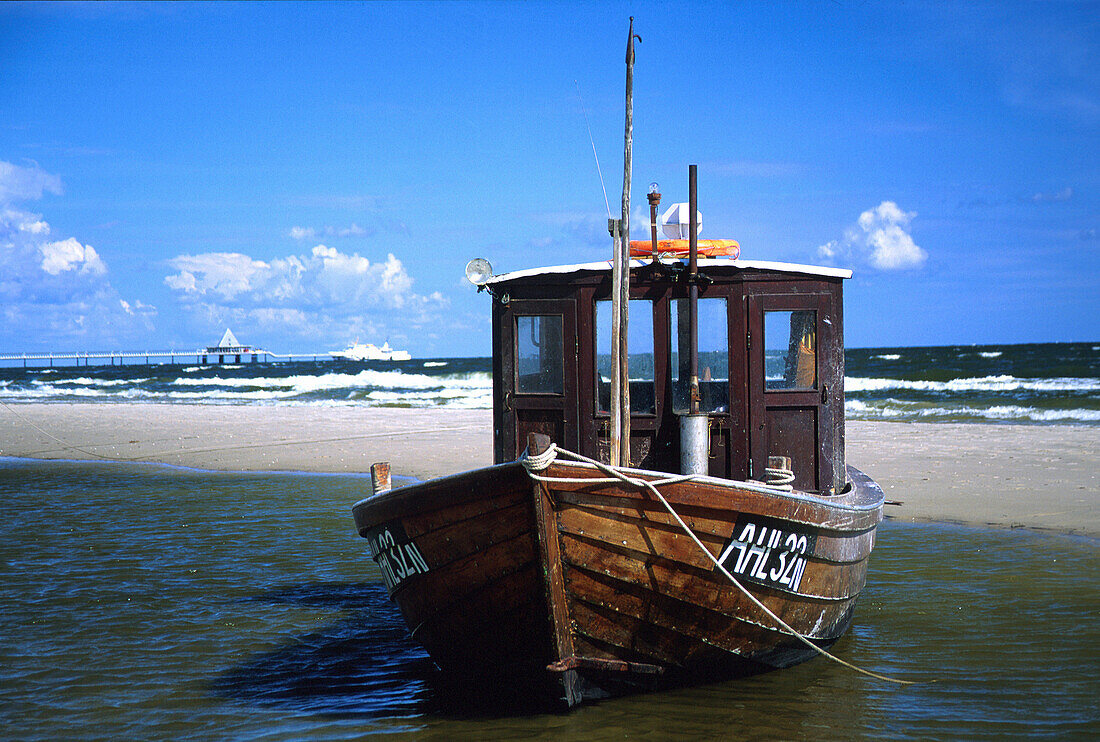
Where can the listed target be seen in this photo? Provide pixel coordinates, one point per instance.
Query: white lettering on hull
(769, 551)
(397, 556)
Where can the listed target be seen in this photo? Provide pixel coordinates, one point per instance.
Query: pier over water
(150, 357)
(228, 350)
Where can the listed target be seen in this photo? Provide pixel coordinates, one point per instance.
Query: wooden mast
(620, 288)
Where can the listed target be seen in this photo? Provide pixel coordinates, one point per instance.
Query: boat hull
(593, 588)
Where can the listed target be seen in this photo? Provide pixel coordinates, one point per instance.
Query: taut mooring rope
(63, 443)
(542, 461)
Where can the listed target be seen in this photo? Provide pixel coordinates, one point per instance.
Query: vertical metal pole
(693, 304)
(695, 426)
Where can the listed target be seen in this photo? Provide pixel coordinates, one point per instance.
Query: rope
(64, 444)
(617, 476)
(541, 461)
(779, 478)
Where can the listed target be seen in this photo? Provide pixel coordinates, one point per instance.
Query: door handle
(824, 393)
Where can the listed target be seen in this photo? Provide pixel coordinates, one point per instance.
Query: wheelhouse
(771, 364)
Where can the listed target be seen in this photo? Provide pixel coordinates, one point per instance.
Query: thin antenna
(606, 204)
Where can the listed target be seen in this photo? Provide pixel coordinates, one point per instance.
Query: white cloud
(325, 288)
(56, 290)
(70, 255)
(25, 183)
(226, 274)
(137, 308)
(879, 237)
(309, 233)
(23, 222)
(1063, 195)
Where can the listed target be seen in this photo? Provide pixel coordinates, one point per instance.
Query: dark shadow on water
(364, 665)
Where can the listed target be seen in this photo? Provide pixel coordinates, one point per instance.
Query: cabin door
(539, 374)
(789, 385)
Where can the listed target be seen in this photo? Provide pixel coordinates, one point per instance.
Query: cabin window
(640, 349)
(790, 350)
(539, 354)
(714, 364)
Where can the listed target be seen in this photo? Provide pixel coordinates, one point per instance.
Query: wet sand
(1043, 477)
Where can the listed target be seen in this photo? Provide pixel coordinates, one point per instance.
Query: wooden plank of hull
(456, 516)
(479, 605)
(706, 590)
(458, 541)
(596, 542)
(496, 629)
(639, 590)
(712, 526)
(468, 529)
(649, 638)
(734, 626)
(455, 587)
(471, 487)
(856, 513)
(554, 586)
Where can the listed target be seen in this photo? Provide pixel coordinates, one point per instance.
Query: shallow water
(156, 603)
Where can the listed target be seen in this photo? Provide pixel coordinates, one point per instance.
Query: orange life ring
(681, 249)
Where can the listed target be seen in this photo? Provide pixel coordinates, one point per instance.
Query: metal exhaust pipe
(694, 444)
(694, 427)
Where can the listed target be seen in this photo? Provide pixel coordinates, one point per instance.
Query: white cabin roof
(605, 265)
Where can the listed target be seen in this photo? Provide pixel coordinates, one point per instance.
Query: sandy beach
(1043, 477)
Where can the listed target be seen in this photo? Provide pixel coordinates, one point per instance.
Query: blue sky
(309, 174)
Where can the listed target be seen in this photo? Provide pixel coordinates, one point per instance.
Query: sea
(152, 602)
(1027, 384)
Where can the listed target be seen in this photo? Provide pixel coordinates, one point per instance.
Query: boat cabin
(771, 364)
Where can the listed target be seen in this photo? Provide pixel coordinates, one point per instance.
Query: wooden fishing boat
(666, 513)
(591, 580)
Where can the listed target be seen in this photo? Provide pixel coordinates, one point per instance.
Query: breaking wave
(980, 384)
(1038, 384)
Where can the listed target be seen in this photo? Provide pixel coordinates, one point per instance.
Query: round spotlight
(478, 271)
